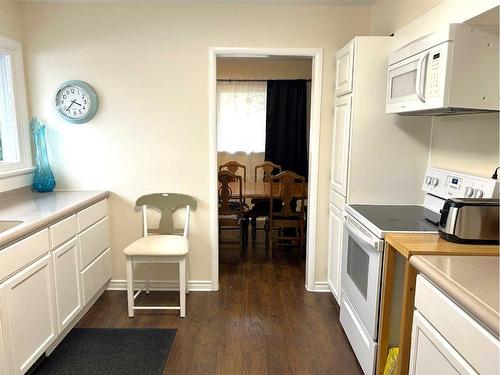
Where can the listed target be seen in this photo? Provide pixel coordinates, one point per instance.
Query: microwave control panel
(447, 184)
(432, 81)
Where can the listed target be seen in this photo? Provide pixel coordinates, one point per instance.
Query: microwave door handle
(421, 76)
(361, 236)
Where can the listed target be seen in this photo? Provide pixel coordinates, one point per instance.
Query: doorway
(315, 59)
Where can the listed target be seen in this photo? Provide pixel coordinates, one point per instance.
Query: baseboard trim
(164, 285)
(319, 287)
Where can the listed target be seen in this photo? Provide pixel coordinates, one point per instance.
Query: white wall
(149, 66)
(468, 144)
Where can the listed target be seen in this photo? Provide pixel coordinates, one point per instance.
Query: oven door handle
(377, 244)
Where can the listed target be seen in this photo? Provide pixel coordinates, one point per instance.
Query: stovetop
(396, 218)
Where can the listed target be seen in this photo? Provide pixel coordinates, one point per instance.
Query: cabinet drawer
(94, 241)
(63, 230)
(20, 254)
(92, 214)
(474, 343)
(96, 275)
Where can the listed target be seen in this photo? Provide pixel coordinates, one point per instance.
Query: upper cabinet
(345, 67)
(340, 143)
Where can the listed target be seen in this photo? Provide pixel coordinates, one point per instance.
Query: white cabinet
(432, 354)
(96, 275)
(3, 356)
(340, 144)
(446, 339)
(335, 250)
(67, 282)
(345, 69)
(28, 314)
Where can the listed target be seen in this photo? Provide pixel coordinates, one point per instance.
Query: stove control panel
(447, 184)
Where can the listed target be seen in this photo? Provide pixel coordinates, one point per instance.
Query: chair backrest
(167, 204)
(291, 189)
(233, 166)
(226, 194)
(267, 170)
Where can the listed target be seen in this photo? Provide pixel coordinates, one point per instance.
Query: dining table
(261, 189)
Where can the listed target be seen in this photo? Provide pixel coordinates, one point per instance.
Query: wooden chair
(233, 166)
(261, 205)
(267, 170)
(231, 213)
(292, 189)
(165, 244)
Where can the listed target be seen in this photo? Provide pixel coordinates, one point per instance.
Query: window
(241, 116)
(15, 152)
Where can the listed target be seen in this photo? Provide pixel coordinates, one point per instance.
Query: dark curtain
(286, 125)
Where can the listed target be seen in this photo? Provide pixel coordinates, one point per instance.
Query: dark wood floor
(261, 321)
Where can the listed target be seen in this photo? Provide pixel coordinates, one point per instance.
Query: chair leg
(270, 245)
(254, 229)
(187, 274)
(182, 286)
(147, 285)
(130, 287)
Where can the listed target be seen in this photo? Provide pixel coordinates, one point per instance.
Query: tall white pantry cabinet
(367, 142)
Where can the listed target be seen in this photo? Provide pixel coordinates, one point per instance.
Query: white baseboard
(321, 287)
(168, 285)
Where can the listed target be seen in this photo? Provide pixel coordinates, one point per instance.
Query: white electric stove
(364, 229)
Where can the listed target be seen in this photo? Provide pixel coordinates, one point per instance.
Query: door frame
(314, 136)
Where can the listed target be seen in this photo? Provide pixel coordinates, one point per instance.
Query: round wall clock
(76, 102)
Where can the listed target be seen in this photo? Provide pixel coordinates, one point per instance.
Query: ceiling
(277, 2)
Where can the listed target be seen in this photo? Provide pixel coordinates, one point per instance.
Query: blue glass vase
(43, 181)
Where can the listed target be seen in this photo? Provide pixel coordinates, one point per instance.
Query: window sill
(16, 172)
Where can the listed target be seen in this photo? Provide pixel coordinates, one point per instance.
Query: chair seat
(159, 245)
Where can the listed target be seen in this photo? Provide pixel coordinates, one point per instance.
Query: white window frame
(25, 163)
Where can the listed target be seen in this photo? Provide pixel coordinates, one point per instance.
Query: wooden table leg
(408, 302)
(385, 308)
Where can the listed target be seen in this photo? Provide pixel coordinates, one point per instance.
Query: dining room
(263, 112)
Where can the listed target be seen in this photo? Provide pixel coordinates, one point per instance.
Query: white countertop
(38, 210)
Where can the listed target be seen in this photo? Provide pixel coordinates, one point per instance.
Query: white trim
(164, 285)
(316, 85)
(320, 287)
(17, 172)
(21, 107)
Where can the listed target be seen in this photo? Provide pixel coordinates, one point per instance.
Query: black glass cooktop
(399, 218)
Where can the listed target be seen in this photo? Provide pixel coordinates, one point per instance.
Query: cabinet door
(432, 354)
(345, 69)
(67, 281)
(340, 144)
(28, 314)
(3, 357)
(335, 251)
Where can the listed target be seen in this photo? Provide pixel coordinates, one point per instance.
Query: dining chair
(291, 187)
(233, 167)
(231, 212)
(164, 244)
(260, 206)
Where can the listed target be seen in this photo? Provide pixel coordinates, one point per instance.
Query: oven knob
(428, 180)
(478, 193)
(434, 181)
(469, 192)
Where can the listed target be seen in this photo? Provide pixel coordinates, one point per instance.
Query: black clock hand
(72, 102)
(77, 103)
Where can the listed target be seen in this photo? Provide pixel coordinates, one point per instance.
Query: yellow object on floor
(392, 361)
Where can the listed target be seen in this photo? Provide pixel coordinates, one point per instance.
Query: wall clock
(76, 102)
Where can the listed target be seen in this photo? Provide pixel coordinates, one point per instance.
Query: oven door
(361, 272)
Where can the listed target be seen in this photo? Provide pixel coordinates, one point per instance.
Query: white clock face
(73, 102)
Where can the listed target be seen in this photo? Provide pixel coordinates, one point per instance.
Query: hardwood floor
(261, 321)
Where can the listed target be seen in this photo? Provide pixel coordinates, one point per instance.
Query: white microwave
(452, 71)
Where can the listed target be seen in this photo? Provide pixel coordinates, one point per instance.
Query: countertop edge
(25, 230)
(475, 307)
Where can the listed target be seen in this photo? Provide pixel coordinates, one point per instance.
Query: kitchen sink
(8, 224)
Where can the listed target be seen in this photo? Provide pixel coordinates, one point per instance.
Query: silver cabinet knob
(469, 192)
(478, 193)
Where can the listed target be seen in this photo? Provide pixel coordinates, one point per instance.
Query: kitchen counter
(472, 281)
(38, 210)
(407, 246)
